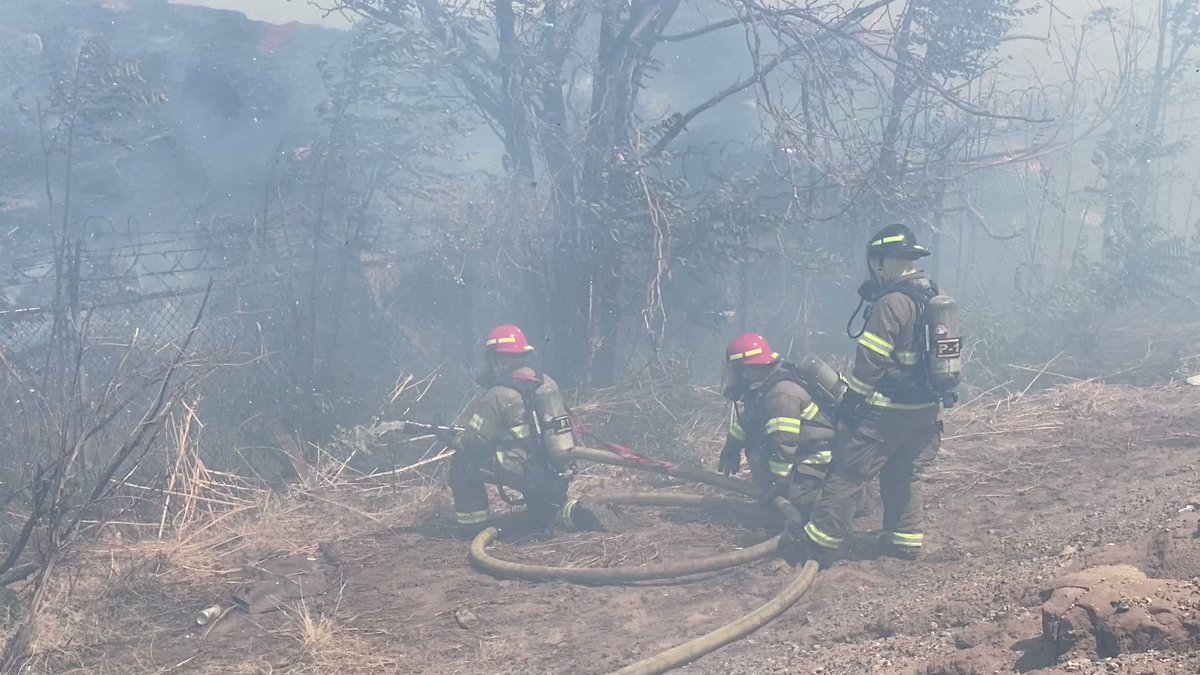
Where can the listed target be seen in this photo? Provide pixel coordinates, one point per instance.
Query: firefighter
(500, 445)
(888, 417)
(776, 422)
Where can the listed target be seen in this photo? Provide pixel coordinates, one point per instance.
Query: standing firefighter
(906, 365)
(516, 437)
(776, 421)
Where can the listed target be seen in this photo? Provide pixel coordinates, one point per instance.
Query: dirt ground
(1023, 493)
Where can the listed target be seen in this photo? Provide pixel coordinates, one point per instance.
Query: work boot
(575, 516)
(797, 548)
(888, 549)
(468, 531)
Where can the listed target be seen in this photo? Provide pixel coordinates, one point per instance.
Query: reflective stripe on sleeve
(475, 423)
(780, 468)
(905, 358)
(520, 432)
(876, 344)
(810, 412)
(737, 432)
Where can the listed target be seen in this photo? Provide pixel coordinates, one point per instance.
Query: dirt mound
(1102, 612)
(1175, 552)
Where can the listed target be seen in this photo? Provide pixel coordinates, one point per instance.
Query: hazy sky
(283, 11)
(274, 11)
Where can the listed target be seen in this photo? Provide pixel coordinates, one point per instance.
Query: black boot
(888, 549)
(468, 531)
(575, 516)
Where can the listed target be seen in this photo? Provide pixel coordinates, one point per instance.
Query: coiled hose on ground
(693, 649)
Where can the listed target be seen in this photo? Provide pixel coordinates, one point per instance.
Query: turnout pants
(804, 485)
(545, 492)
(897, 446)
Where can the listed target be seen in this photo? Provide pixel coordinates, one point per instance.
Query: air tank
(945, 343)
(816, 372)
(558, 436)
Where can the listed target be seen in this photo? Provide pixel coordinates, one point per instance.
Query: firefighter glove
(852, 409)
(731, 461)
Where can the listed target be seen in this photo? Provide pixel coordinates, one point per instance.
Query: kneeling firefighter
(517, 436)
(783, 431)
(906, 365)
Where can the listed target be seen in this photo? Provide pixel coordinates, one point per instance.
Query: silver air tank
(816, 371)
(944, 343)
(558, 436)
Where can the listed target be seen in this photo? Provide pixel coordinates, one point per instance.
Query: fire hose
(695, 648)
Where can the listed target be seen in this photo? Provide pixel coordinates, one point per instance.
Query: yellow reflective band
(565, 518)
(500, 457)
(737, 432)
(888, 240)
(501, 341)
(818, 458)
(780, 468)
(880, 401)
(905, 358)
(746, 354)
(876, 344)
(810, 412)
(820, 538)
(858, 386)
(786, 425)
(476, 423)
(472, 517)
(520, 432)
(907, 540)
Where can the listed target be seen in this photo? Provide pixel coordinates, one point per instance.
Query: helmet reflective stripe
(888, 240)
(501, 341)
(745, 355)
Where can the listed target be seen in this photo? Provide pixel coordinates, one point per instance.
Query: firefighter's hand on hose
(852, 409)
(731, 461)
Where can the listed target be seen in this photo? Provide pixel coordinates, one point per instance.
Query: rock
(1105, 611)
(1194, 380)
(465, 618)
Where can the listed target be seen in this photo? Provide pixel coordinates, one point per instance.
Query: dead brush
(331, 645)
